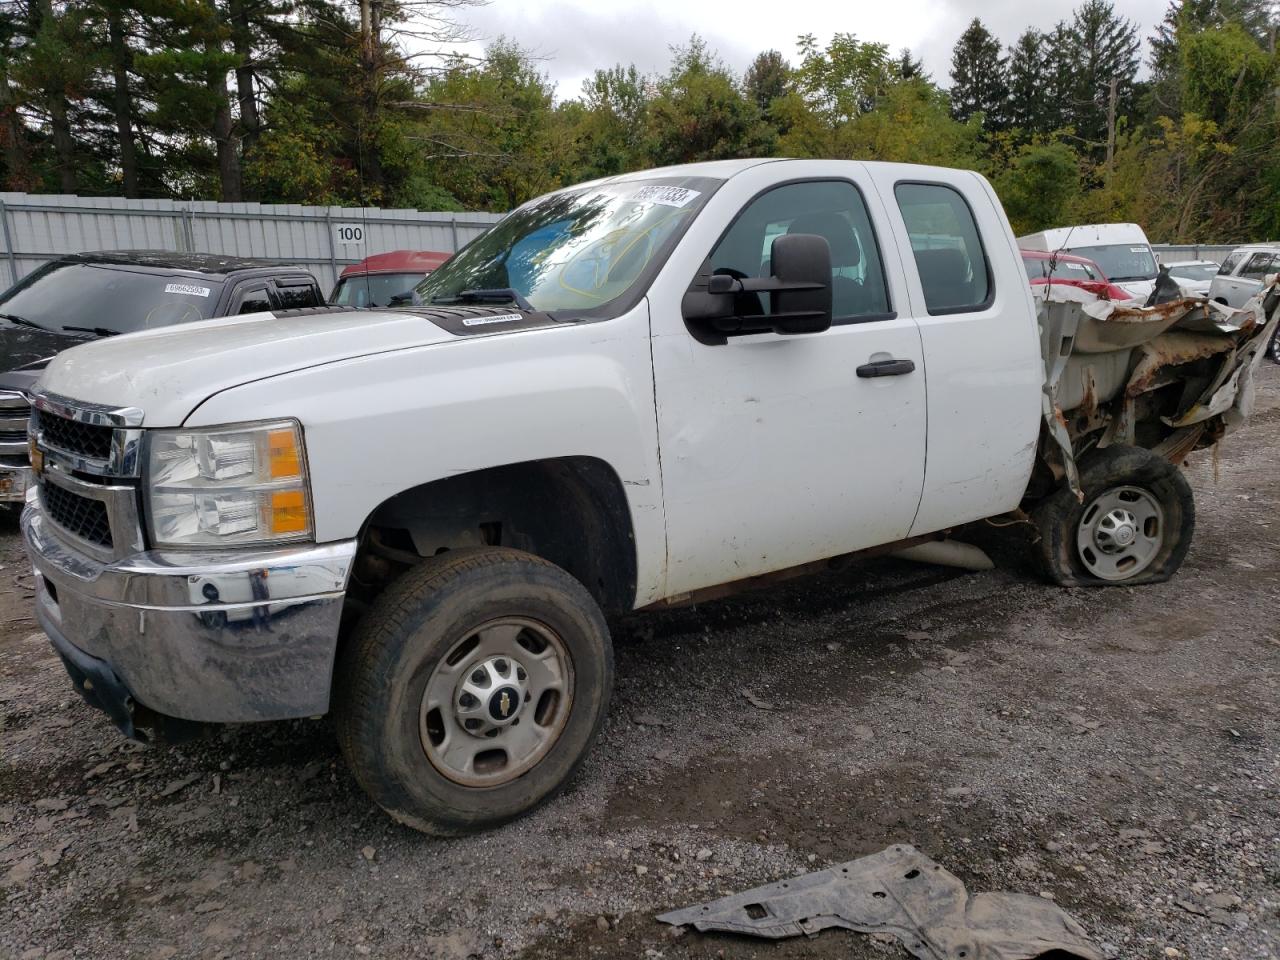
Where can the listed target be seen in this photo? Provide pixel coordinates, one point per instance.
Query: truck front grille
(85, 518)
(74, 437)
(14, 413)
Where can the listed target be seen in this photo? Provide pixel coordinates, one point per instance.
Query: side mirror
(799, 291)
(802, 267)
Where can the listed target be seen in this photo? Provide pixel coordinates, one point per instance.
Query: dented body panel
(1171, 377)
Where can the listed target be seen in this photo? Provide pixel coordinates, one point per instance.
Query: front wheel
(1134, 526)
(473, 690)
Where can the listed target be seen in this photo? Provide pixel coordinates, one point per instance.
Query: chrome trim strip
(13, 448)
(124, 459)
(166, 580)
(94, 414)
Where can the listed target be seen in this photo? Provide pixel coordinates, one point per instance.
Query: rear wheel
(1134, 526)
(473, 690)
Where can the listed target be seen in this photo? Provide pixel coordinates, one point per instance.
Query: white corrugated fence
(35, 228)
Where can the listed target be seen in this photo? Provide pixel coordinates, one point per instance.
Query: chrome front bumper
(208, 636)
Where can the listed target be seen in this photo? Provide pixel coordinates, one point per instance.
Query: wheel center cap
(1125, 535)
(504, 704)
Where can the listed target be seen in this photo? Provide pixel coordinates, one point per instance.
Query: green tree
(767, 79)
(698, 112)
(487, 130)
(1040, 186)
(608, 126)
(844, 79)
(1105, 67)
(1029, 79)
(979, 77)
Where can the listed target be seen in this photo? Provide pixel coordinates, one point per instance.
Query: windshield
(1038, 269)
(579, 250)
(1194, 271)
(65, 296)
(1121, 261)
(374, 289)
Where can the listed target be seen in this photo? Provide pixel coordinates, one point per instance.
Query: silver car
(1242, 273)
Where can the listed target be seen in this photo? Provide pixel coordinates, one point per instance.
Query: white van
(1120, 249)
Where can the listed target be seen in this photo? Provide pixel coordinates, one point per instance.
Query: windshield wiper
(23, 321)
(489, 295)
(96, 331)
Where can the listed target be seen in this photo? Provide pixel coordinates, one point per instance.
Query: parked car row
(1116, 261)
(84, 296)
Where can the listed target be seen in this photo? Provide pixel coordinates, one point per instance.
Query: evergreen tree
(1029, 84)
(909, 66)
(979, 79)
(1105, 70)
(767, 79)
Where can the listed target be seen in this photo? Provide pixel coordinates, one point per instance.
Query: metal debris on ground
(901, 892)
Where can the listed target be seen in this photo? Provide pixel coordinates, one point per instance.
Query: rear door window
(297, 293)
(1259, 265)
(953, 266)
(251, 299)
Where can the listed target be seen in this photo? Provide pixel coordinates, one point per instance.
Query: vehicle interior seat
(946, 278)
(848, 296)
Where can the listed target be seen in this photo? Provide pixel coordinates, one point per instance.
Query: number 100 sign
(348, 233)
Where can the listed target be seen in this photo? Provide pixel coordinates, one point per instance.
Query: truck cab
(638, 392)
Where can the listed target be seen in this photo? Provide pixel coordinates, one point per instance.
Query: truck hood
(169, 371)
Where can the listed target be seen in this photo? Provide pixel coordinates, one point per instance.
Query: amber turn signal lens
(283, 454)
(288, 512)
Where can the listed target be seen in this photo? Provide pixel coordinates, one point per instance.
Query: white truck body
(681, 381)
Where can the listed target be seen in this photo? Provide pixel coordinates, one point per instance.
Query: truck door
(977, 320)
(780, 450)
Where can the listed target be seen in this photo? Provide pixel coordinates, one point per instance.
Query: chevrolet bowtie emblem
(504, 705)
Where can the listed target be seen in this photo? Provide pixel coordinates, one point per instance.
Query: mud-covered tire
(382, 676)
(1058, 519)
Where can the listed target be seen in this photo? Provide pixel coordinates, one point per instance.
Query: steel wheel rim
(496, 703)
(1120, 533)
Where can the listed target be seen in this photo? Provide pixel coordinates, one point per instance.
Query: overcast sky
(574, 37)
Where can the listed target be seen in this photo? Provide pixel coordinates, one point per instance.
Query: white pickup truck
(642, 391)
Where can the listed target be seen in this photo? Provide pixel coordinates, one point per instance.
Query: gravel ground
(1117, 750)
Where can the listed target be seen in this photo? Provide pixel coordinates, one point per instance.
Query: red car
(1070, 270)
(378, 280)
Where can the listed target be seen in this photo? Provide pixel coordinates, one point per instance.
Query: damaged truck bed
(1173, 377)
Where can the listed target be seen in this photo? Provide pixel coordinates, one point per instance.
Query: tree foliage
(353, 102)
(979, 77)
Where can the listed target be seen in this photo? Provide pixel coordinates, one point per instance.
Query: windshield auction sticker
(667, 196)
(188, 289)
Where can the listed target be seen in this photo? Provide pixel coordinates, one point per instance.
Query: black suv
(83, 296)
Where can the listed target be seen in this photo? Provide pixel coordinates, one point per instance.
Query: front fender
(378, 425)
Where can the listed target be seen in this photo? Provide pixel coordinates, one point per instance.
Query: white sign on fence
(348, 233)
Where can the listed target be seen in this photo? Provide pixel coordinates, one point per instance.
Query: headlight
(228, 485)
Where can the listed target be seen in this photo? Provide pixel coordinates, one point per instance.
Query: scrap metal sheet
(901, 892)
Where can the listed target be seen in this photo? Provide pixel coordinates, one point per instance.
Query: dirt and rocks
(1118, 751)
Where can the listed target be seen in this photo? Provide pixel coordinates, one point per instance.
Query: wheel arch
(571, 510)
